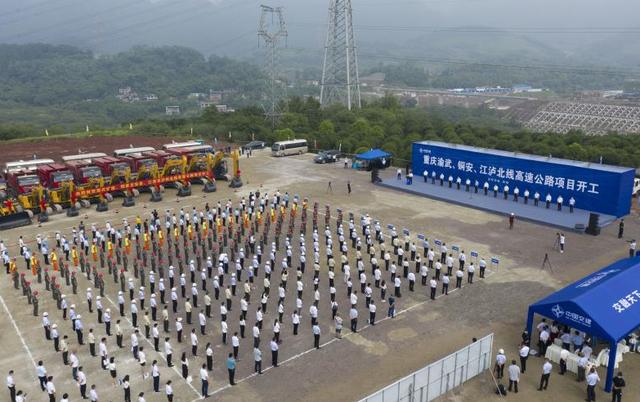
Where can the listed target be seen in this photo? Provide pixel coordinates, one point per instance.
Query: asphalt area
(358, 364)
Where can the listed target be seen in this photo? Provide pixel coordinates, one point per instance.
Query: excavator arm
(236, 180)
(218, 166)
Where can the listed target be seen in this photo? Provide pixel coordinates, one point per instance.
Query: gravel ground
(360, 363)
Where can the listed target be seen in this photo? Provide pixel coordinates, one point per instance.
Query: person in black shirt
(618, 385)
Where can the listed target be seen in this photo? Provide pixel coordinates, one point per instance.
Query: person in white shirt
(51, 389)
(75, 363)
(582, 366)
(235, 343)
(204, 379)
(543, 340)
(514, 376)
(295, 320)
(209, 353)
(168, 351)
(592, 381)
(11, 385)
(564, 355)
(41, 372)
(155, 375)
(372, 313)
(316, 336)
(353, 316)
(313, 312)
(168, 389)
(102, 351)
(224, 328)
(111, 366)
(256, 336)
(524, 355)
(202, 320)
(546, 373)
(501, 360)
(93, 394)
(257, 359)
(194, 342)
(142, 358)
(274, 352)
(82, 382)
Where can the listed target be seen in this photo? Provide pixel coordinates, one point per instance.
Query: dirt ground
(361, 363)
(54, 148)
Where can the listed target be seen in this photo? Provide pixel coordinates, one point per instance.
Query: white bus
(175, 145)
(293, 147)
(132, 151)
(202, 149)
(80, 157)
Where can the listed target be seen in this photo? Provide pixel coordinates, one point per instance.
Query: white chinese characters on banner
(565, 183)
(626, 302)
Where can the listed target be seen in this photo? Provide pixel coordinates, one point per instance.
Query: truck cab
(115, 170)
(142, 167)
(22, 181)
(24, 185)
(59, 184)
(54, 175)
(196, 160)
(84, 172)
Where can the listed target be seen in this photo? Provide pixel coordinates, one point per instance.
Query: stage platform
(577, 221)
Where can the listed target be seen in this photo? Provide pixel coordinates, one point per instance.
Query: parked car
(330, 156)
(255, 145)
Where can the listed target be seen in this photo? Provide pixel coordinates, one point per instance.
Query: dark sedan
(330, 156)
(255, 145)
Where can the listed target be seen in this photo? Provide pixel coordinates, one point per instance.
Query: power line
(228, 42)
(74, 28)
(550, 68)
(544, 67)
(39, 8)
(187, 14)
(505, 30)
(70, 22)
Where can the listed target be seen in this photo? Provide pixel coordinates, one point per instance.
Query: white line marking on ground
(223, 388)
(158, 353)
(15, 326)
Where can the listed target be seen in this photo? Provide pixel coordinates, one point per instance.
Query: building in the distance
(172, 110)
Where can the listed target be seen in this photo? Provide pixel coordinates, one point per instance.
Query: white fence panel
(440, 377)
(435, 380)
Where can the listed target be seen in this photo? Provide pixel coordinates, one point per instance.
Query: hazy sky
(229, 26)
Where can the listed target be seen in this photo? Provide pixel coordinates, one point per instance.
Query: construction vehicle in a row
(86, 176)
(42, 186)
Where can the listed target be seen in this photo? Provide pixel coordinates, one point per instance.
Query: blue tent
(605, 304)
(373, 155)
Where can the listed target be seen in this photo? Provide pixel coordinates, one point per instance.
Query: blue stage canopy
(605, 304)
(373, 155)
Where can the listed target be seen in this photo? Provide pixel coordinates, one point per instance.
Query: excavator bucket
(15, 220)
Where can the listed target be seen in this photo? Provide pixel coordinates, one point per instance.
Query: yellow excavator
(218, 165)
(12, 215)
(235, 181)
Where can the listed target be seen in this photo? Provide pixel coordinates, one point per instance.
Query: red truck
(58, 182)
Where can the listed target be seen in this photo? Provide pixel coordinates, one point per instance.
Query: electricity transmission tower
(340, 81)
(271, 31)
